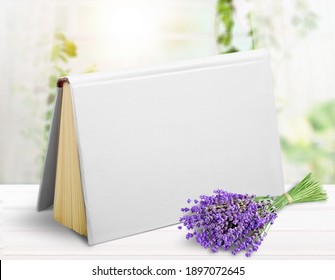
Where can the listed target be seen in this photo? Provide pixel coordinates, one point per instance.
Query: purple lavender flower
(239, 222)
(229, 221)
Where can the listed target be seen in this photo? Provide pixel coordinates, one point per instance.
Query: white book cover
(150, 138)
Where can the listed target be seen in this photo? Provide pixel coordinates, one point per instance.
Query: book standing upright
(127, 148)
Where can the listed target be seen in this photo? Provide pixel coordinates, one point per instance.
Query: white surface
(152, 137)
(302, 231)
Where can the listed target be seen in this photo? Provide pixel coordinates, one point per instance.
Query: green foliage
(314, 149)
(62, 51)
(225, 18)
(304, 20)
(318, 150)
(322, 117)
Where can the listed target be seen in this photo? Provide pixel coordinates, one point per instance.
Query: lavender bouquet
(239, 222)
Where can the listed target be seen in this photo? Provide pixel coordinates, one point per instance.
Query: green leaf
(225, 11)
(69, 48)
(56, 49)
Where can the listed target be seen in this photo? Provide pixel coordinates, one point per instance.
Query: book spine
(61, 81)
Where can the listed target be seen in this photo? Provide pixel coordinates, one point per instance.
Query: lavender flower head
(230, 221)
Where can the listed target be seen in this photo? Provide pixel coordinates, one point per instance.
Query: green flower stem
(308, 190)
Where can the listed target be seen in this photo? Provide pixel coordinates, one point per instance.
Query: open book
(128, 148)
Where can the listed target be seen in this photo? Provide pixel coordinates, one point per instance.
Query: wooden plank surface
(304, 231)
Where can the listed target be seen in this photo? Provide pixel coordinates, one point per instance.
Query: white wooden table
(303, 231)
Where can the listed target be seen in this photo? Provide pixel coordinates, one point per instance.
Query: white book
(131, 146)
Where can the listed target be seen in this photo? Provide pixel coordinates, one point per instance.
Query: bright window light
(129, 26)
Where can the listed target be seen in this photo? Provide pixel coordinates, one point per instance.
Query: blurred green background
(42, 40)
